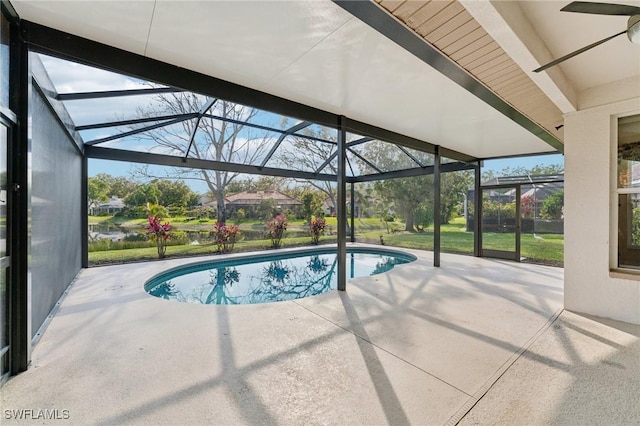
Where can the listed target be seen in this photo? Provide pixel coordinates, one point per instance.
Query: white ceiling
(565, 32)
(316, 53)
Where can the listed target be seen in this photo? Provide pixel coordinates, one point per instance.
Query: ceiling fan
(632, 31)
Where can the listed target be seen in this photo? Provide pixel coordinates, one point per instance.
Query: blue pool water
(268, 278)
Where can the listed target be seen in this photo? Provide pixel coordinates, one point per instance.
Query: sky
(71, 77)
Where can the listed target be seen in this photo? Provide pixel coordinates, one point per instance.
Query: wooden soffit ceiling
(449, 27)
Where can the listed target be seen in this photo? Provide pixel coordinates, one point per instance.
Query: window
(628, 191)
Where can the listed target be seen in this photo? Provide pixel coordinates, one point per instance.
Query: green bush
(177, 211)
(136, 212)
(494, 210)
(158, 211)
(178, 237)
(552, 206)
(239, 215)
(107, 244)
(99, 245)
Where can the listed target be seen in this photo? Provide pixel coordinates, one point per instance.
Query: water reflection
(164, 290)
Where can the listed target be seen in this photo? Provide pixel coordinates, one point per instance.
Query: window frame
(616, 205)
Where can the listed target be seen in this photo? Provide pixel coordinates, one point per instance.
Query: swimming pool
(272, 277)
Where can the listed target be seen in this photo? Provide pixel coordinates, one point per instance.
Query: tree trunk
(222, 212)
(409, 224)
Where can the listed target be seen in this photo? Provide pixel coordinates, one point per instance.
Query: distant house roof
(543, 190)
(113, 203)
(253, 198)
(528, 179)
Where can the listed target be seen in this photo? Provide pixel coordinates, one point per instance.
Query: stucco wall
(590, 287)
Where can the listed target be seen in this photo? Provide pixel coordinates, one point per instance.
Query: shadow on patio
(416, 345)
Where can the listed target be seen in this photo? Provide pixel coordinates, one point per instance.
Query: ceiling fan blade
(601, 8)
(577, 52)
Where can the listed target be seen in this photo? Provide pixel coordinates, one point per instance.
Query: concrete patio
(476, 341)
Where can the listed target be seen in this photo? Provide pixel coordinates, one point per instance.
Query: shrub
(267, 208)
(276, 228)
(317, 227)
(177, 211)
(226, 236)
(158, 232)
(158, 211)
(179, 238)
(527, 206)
(553, 206)
(134, 212)
(202, 212)
(239, 215)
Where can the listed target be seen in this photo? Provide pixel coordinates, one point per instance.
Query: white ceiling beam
(510, 28)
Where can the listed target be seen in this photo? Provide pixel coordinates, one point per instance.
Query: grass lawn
(150, 253)
(455, 239)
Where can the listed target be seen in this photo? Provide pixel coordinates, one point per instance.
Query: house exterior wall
(55, 211)
(590, 208)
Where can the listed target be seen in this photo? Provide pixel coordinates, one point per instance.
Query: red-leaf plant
(226, 236)
(276, 228)
(317, 227)
(158, 232)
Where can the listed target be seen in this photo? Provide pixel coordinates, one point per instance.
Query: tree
(413, 196)
(406, 194)
(423, 215)
(117, 186)
(143, 195)
(96, 191)
(224, 140)
(175, 194)
(267, 208)
(121, 187)
(453, 192)
(311, 205)
(552, 207)
(308, 154)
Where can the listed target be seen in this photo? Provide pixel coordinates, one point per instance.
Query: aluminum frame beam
(114, 93)
(289, 131)
(417, 171)
(108, 124)
(437, 212)
(141, 130)
(410, 155)
(367, 162)
(332, 156)
(196, 163)
(206, 107)
(341, 208)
